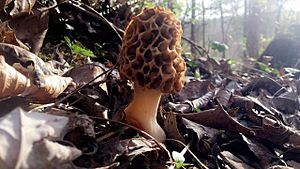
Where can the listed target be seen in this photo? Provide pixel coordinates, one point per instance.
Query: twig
(199, 48)
(77, 90)
(297, 63)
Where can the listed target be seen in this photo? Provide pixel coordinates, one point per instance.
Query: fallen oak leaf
(51, 155)
(84, 73)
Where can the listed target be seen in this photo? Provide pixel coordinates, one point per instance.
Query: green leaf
(181, 164)
(149, 4)
(191, 64)
(219, 46)
(197, 75)
(264, 67)
(80, 50)
(230, 62)
(67, 39)
(76, 48)
(197, 109)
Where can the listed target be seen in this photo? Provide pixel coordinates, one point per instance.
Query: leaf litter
(72, 104)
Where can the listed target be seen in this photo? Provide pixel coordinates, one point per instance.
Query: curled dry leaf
(43, 84)
(25, 143)
(266, 83)
(204, 137)
(54, 86)
(14, 83)
(17, 55)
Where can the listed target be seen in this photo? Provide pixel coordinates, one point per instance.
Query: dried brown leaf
(17, 55)
(84, 73)
(22, 7)
(262, 152)
(170, 127)
(54, 86)
(265, 126)
(31, 29)
(203, 136)
(233, 161)
(7, 35)
(144, 153)
(192, 90)
(12, 82)
(217, 118)
(281, 167)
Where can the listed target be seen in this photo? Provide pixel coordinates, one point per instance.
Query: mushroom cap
(151, 51)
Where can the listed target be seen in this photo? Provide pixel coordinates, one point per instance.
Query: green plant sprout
(231, 62)
(179, 157)
(197, 109)
(77, 49)
(197, 74)
(266, 68)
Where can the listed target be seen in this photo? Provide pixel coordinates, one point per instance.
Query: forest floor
(62, 99)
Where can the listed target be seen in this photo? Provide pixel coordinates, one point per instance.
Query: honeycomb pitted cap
(151, 51)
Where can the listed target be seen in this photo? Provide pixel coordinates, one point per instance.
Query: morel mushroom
(151, 58)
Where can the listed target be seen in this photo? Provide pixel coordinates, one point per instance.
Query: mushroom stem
(142, 110)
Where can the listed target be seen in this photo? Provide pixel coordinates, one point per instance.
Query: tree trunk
(222, 25)
(253, 28)
(193, 26)
(171, 5)
(203, 24)
(245, 25)
(278, 15)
